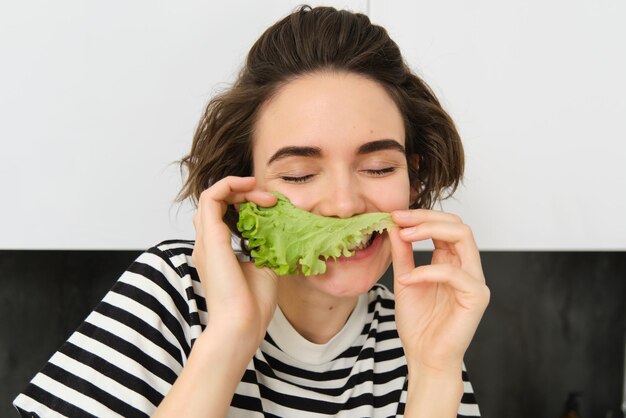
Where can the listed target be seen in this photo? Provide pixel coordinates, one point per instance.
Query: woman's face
(333, 143)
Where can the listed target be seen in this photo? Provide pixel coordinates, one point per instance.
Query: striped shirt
(126, 355)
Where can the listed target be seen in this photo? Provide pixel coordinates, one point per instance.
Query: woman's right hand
(240, 297)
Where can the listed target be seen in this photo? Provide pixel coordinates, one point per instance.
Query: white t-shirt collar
(296, 346)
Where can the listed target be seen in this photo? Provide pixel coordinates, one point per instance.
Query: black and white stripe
(128, 352)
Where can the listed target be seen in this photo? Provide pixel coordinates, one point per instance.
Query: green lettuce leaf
(284, 237)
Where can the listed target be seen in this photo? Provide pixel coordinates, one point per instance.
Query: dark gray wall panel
(556, 323)
(45, 295)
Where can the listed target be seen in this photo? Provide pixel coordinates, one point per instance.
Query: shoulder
(174, 248)
(165, 265)
(175, 253)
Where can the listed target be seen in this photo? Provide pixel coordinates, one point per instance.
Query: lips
(366, 242)
(369, 248)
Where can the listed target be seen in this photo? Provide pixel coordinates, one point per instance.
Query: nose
(343, 197)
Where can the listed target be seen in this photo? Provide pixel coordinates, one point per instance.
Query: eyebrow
(367, 148)
(380, 145)
(295, 151)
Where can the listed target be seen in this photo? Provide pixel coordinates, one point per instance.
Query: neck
(316, 316)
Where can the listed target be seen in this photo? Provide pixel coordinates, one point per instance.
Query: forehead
(330, 110)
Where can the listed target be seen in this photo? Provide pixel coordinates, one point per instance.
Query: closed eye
(300, 179)
(303, 179)
(381, 172)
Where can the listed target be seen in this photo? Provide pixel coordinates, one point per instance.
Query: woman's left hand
(438, 306)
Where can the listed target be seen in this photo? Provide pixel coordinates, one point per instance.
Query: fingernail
(402, 213)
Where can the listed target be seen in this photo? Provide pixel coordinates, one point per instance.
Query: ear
(414, 161)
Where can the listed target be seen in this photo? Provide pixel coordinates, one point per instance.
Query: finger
(445, 231)
(416, 216)
(233, 190)
(230, 190)
(218, 268)
(260, 198)
(456, 237)
(471, 292)
(214, 200)
(401, 253)
(216, 261)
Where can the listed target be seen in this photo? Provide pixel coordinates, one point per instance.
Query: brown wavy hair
(312, 40)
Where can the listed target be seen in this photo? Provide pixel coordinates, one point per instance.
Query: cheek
(377, 198)
(390, 196)
(381, 195)
(302, 197)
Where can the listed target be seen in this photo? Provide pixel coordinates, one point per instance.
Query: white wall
(98, 98)
(538, 90)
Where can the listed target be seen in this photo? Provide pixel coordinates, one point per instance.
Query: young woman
(326, 112)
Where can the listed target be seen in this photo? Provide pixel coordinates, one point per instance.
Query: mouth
(368, 246)
(367, 240)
